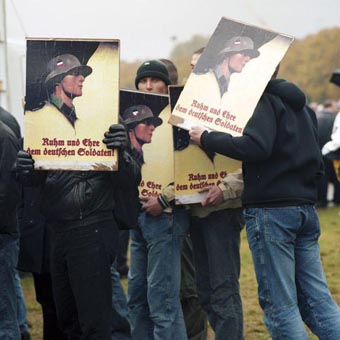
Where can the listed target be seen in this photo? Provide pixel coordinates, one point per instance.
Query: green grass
(253, 324)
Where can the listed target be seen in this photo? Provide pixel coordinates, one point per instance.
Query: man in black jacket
(9, 198)
(79, 207)
(281, 166)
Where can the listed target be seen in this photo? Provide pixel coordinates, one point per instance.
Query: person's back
(283, 167)
(282, 162)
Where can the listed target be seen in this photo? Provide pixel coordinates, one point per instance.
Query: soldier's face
(154, 85)
(237, 62)
(144, 131)
(73, 84)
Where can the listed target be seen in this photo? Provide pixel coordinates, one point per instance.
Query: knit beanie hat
(152, 68)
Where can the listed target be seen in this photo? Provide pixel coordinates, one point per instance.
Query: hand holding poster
(71, 100)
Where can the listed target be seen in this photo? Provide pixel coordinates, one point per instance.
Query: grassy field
(253, 324)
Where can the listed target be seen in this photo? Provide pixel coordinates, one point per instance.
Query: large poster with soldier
(72, 98)
(225, 85)
(146, 116)
(195, 170)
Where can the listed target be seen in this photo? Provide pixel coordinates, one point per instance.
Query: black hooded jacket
(9, 188)
(279, 149)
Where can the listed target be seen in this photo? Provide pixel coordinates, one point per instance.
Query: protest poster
(146, 116)
(223, 89)
(194, 168)
(72, 98)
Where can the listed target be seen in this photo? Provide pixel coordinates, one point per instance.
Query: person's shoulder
(7, 135)
(5, 130)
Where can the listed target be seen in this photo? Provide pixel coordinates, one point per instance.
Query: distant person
(172, 69)
(63, 83)
(333, 144)
(281, 166)
(152, 76)
(326, 119)
(141, 124)
(195, 56)
(238, 51)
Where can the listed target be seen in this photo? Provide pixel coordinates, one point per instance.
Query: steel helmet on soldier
(138, 113)
(240, 44)
(59, 66)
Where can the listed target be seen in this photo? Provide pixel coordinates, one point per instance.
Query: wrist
(162, 201)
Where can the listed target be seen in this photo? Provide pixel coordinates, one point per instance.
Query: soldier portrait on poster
(72, 93)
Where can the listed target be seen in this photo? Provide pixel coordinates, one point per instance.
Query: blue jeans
(120, 321)
(216, 243)
(292, 286)
(21, 305)
(9, 327)
(154, 277)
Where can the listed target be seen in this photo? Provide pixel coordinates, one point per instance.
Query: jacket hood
(288, 92)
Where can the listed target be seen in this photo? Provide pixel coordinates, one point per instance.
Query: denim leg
(318, 309)
(216, 242)
(9, 327)
(120, 322)
(139, 314)
(164, 236)
(195, 318)
(21, 305)
(271, 234)
(154, 278)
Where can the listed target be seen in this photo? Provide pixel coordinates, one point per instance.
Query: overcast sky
(146, 27)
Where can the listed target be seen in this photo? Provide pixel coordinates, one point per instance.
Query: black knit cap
(152, 68)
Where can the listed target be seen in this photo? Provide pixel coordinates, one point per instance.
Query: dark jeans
(195, 318)
(44, 296)
(9, 326)
(81, 276)
(216, 244)
(121, 260)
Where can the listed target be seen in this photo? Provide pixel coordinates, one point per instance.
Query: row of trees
(309, 63)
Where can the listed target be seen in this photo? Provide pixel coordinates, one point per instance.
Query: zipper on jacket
(77, 199)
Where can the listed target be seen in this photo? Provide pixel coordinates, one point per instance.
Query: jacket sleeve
(232, 185)
(129, 171)
(257, 141)
(9, 187)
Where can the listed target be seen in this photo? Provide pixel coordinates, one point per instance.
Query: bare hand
(151, 206)
(196, 133)
(214, 195)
